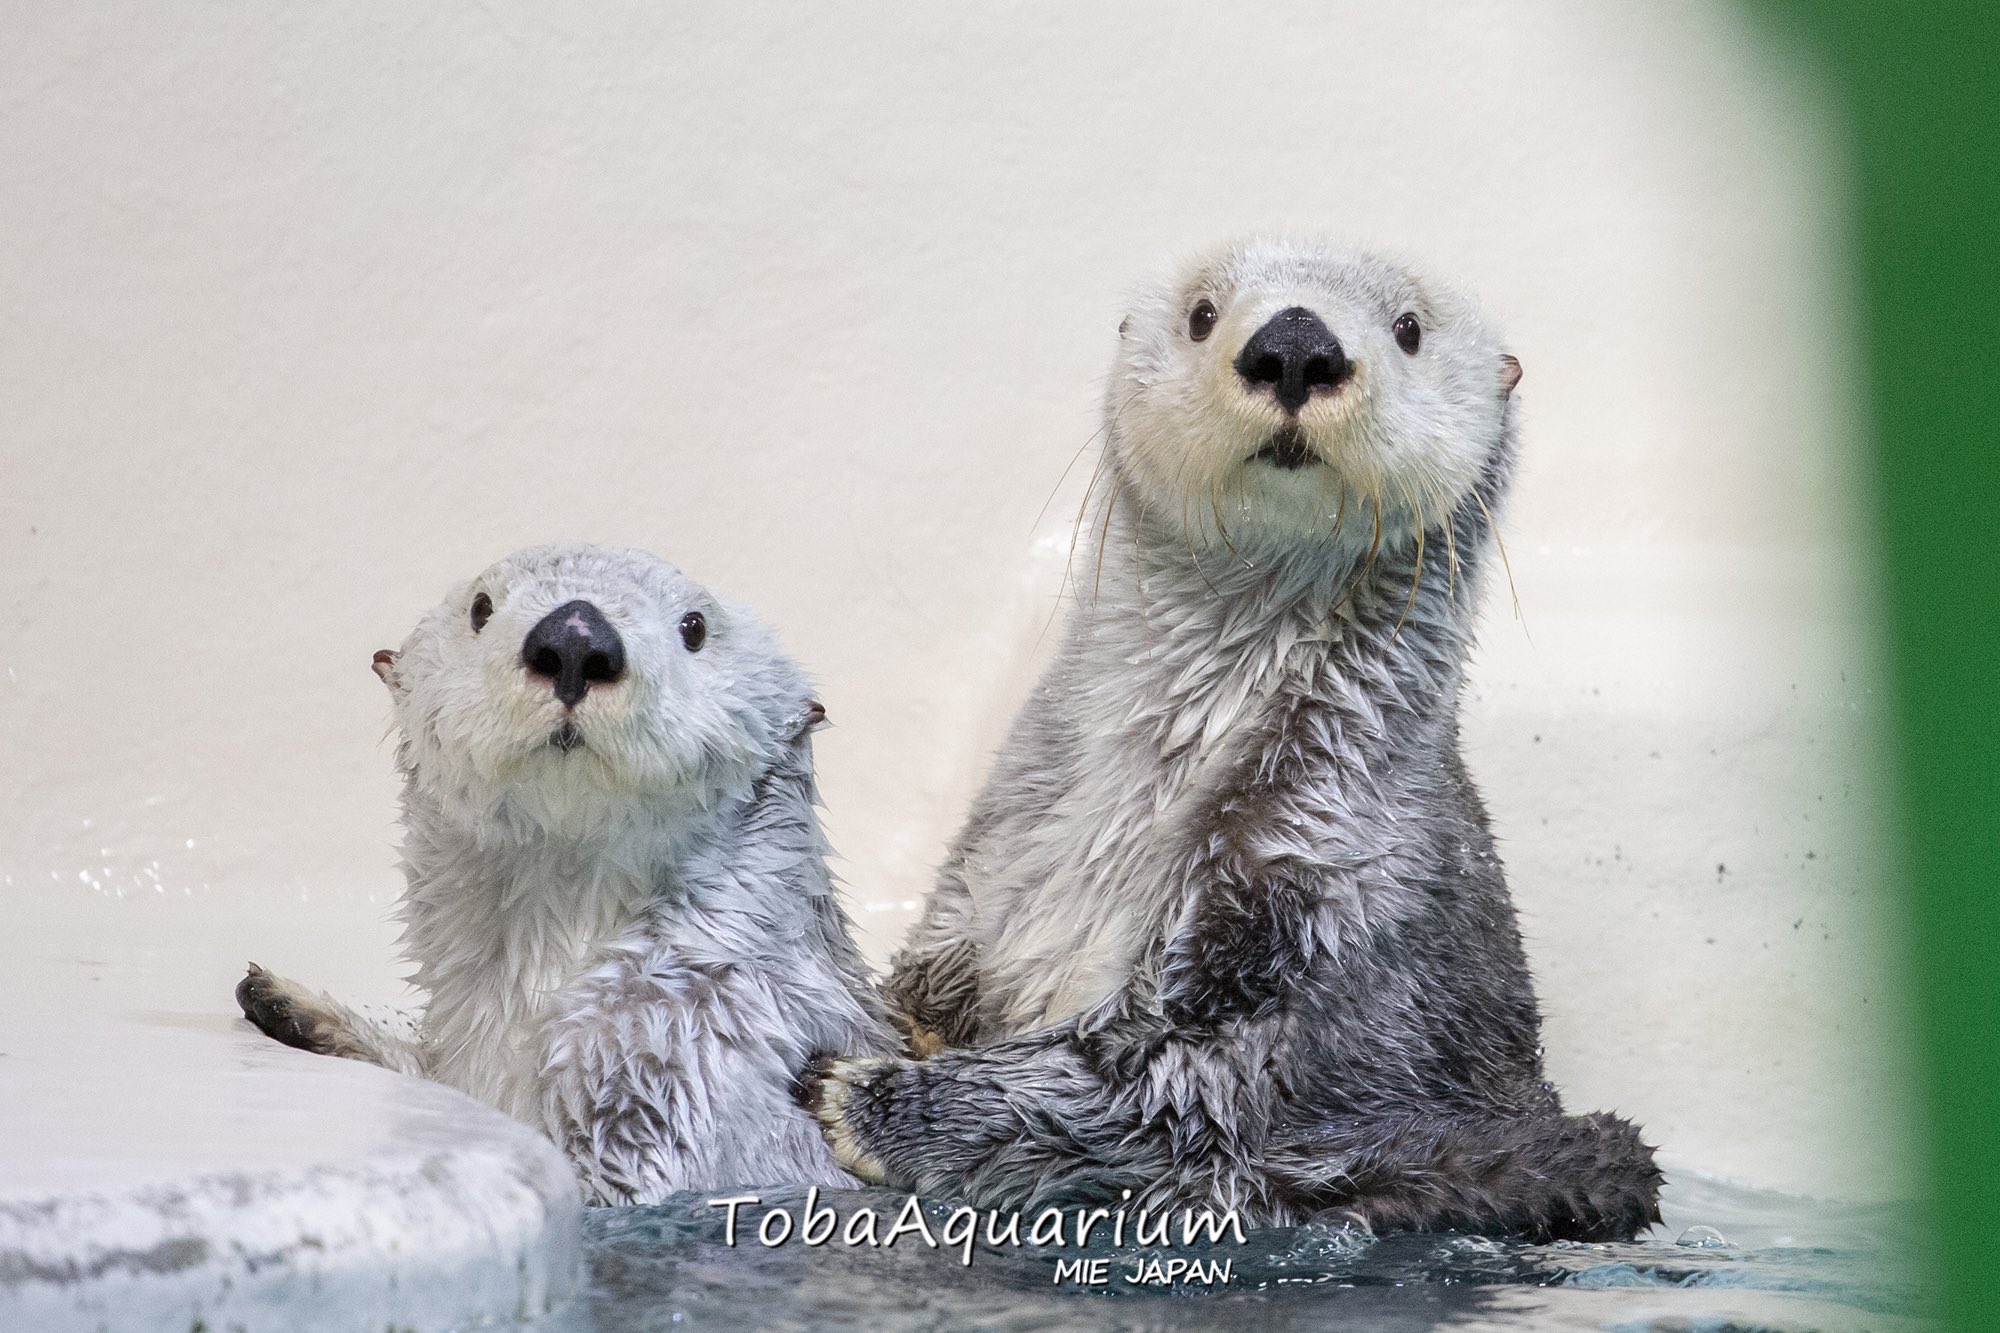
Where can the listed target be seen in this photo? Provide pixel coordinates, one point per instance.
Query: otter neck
(1395, 613)
(501, 916)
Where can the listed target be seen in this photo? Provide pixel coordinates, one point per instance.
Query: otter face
(571, 686)
(1290, 390)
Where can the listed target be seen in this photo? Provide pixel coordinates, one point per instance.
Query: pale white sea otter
(1226, 927)
(618, 900)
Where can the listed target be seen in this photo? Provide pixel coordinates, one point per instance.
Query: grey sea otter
(618, 901)
(1226, 926)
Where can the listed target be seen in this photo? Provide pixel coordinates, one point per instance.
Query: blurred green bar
(1920, 86)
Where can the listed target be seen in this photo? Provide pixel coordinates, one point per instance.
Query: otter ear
(1124, 326)
(385, 667)
(1510, 374)
(808, 720)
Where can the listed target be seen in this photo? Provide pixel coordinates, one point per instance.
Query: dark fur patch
(808, 1084)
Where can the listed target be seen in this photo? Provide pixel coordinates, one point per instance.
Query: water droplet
(1703, 1238)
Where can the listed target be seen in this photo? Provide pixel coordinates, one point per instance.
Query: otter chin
(1288, 451)
(1227, 927)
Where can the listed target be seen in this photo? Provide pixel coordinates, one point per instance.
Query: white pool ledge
(179, 1171)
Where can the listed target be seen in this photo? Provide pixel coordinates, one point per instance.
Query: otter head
(573, 687)
(1286, 390)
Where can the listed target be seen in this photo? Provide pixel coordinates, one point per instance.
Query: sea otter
(1226, 926)
(618, 902)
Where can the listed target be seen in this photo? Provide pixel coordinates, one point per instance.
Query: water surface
(1728, 1258)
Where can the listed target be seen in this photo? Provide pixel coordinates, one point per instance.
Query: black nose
(574, 646)
(1294, 353)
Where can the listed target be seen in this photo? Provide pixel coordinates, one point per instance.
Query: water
(1746, 1260)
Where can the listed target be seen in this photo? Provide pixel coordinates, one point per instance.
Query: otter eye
(1201, 320)
(694, 631)
(482, 611)
(1408, 332)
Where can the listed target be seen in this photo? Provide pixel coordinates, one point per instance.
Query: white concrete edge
(481, 1232)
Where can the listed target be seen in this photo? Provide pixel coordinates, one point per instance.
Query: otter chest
(1070, 892)
(496, 956)
(1069, 895)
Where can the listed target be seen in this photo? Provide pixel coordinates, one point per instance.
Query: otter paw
(924, 1043)
(835, 1093)
(283, 1011)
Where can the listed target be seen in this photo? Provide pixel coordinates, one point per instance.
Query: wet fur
(634, 945)
(1226, 926)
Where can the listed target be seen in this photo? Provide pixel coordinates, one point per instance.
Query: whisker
(1076, 528)
(1188, 533)
(1375, 544)
(1222, 528)
(1339, 515)
(1505, 564)
(1416, 574)
(1451, 556)
(1368, 563)
(1069, 560)
(1103, 539)
(1069, 467)
(1139, 561)
(1103, 457)
(1082, 507)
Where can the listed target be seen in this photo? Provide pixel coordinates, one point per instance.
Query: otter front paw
(839, 1094)
(286, 1012)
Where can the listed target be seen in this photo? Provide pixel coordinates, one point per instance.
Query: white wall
(311, 311)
